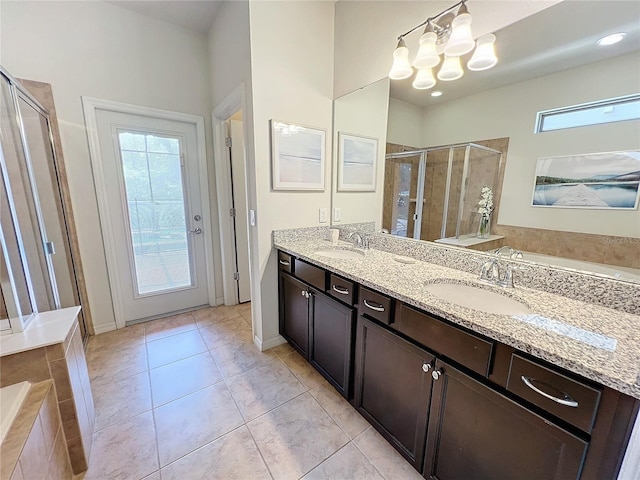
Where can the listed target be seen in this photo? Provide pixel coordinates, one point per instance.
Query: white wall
(511, 112)
(367, 31)
(100, 50)
(363, 112)
(405, 123)
(292, 80)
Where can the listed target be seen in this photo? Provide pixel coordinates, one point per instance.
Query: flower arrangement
(485, 207)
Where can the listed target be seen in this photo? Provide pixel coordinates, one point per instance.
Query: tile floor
(190, 397)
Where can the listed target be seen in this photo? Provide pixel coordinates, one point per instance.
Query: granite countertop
(598, 343)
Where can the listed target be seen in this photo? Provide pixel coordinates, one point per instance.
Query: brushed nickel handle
(377, 308)
(305, 294)
(341, 291)
(436, 374)
(284, 262)
(566, 401)
(426, 367)
(197, 231)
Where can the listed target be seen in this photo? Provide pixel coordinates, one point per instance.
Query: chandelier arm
(430, 19)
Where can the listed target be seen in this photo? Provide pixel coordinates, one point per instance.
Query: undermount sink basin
(477, 298)
(341, 253)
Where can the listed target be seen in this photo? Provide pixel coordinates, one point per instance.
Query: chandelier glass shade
(446, 38)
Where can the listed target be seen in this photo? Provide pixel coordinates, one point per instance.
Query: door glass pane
(153, 178)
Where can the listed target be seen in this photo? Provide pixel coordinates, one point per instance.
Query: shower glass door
(403, 199)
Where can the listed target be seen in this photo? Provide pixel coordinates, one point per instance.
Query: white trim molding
(90, 106)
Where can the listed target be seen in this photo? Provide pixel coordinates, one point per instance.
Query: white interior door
(241, 221)
(154, 214)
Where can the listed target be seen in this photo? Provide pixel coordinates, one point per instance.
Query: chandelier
(453, 31)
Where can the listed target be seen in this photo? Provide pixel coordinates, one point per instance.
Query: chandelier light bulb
(401, 67)
(461, 40)
(427, 56)
(451, 69)
(485, 55)
(424, 79)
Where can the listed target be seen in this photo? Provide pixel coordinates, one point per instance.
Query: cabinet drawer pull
(284, 262)
(341, 291)
(567, 400)
(377, 308)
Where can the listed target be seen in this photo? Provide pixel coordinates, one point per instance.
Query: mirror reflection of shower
(433, 193)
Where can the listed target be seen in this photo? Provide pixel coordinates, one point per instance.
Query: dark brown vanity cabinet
(393, 388)
(294, 313)
(319, 327)
(475, 432)
(331, 340)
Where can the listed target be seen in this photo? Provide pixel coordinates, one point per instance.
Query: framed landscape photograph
(608, 180)
(297, 157)
(357, 156)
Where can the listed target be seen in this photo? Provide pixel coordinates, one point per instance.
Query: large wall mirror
(483, 127)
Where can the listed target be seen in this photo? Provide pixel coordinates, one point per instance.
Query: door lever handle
(197, 231)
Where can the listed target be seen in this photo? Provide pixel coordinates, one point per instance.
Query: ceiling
(196, 15)
(560, 37)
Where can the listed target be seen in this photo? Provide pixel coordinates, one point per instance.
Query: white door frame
(230, 105)
(90, 105)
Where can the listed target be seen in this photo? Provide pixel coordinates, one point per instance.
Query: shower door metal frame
(423, 153)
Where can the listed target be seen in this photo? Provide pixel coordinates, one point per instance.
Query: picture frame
(594, 181)
(357, 161)
(298, 157)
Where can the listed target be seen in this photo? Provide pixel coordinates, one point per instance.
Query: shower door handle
(197, 231)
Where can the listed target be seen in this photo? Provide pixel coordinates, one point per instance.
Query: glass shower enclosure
(433, 193)
(36, 264)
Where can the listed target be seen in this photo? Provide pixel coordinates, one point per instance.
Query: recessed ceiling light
(437, 93)
(611, 39)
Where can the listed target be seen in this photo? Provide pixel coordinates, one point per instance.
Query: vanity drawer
(314, 276)
(374, 305)
(343, 290)
(564, 397)
(285, 262)
(467, 349)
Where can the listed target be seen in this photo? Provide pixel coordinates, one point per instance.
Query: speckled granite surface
(599, 343)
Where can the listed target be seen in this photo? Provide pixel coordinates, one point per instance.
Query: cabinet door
(475, 432)
(294, 313)
(331, 340)
(393, 388)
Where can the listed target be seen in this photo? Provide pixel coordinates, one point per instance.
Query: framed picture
(608, 180)
(357, 158)
(298, 157)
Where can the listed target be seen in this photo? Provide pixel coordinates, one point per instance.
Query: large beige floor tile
(190, 422)
(117, 339)
(296, 437)
(282, 350)
(116, 401)
(235, 359)
(384, 457)
(231, 457)
(175, 347)
(110, 365)
(347, 463)
(183, 377)
(233, 331)
(125, 451)
(206, 316)
(264, 388)
(340, 410)
(165, 327)
(308, 375)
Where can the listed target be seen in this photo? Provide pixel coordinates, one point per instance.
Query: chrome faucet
(359, 241)
(491, 270)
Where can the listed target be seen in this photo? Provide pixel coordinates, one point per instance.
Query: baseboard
(219, 301)
(272, 342)
(104, 328)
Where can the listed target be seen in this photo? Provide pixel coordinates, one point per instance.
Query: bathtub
(11, 398)
(621, 273)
